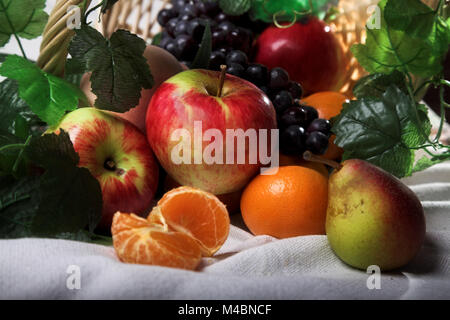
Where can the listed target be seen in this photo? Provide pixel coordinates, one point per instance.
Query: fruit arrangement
(234, 107)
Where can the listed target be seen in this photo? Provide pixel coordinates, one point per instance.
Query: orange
(328, 104)
(185, 225)
(292, 202)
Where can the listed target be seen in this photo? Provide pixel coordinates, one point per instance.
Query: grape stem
(223, 70)
(309, 156)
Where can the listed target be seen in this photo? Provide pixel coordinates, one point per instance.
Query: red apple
(162, 64)
(118, 155)
(191, 97)
(309, 52)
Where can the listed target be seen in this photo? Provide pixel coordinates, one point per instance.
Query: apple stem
(223, 70)
(309, 156)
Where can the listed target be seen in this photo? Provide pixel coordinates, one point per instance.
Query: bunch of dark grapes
(184, 24)
(300, 126)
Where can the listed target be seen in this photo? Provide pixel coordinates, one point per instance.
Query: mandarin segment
(136, 240)
(195, 212)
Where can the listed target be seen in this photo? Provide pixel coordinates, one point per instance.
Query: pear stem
(223, 70)
(309, 156)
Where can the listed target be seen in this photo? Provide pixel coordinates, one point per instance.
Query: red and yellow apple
(191, 97)
(308, 51)
(162, 64)
(117, 154)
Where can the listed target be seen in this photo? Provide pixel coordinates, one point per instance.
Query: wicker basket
(139, 16)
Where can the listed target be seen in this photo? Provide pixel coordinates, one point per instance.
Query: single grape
(172, 47)
(227, 26)
(181, 28)
(235, 69)
(292, 140)
(225, 50)
(293, 116)
(164, 41)
(190, 9)
(257, 74)
(178, 4)
(171, 25)
(237, 38)
(282, 101)
(165, 15)
(295, 89)
(218, 38)
(186, 17)
(221, 17)
(237, 56)
(279, 78)
(311, 112)
(321, 125)
(317, 142)
(187, 46)
(209, 7)
(217, 58)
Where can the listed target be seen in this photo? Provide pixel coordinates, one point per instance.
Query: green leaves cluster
(43, 191)
(386, 125)
(21, 18)
(413, 38)
(382, 129)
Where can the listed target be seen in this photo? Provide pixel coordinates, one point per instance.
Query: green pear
(372, 217)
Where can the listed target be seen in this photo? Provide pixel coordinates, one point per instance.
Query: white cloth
(246, 267)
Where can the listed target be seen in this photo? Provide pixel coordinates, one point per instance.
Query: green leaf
(12, 106)
(119, 69)
(48, 96)
(382, 131)
(387, 49)
(18, 205)
(70, 199)
(202, 58)
(235, 7)
(418, 21)
(49, 150)
(24, 18)
(375, 85)
(64, 202)
(21, 127)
